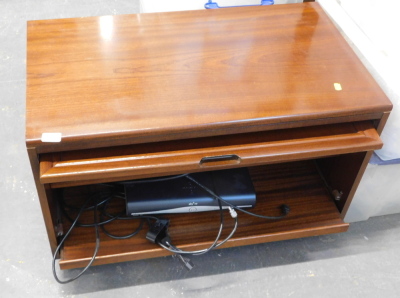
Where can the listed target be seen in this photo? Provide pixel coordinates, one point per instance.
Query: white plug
(232, 212)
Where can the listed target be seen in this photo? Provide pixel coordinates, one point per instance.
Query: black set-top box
(178, 194)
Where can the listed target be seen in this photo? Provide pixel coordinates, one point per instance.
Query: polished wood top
(136, 78)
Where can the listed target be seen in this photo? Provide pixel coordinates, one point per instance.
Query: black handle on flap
(225, 159)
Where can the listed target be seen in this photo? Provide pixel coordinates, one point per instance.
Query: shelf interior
(296, 184)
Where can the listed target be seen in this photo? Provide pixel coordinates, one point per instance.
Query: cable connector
(186, 262)
(285, 209)
(158, 231)
(232, 212)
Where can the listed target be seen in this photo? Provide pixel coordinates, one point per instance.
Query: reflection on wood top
(130, 77)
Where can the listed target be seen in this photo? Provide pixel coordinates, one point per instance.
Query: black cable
(199, 252)
(95, 224)
(103, 221)
(149, 180)
(139, 228)
(86, 208)
(66, 236)
(83, 225)
(168, 246)
(285, 208)
(202, 251)
(119, 216)
(89, 225)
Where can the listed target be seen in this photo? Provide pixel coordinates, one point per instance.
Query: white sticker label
(337, 86)
(51, 137)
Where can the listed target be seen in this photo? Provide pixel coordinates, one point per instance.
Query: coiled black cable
(101, 201)
(66, 236)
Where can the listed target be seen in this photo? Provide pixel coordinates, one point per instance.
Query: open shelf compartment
(296, 184)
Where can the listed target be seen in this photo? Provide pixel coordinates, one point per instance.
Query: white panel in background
(179, 5)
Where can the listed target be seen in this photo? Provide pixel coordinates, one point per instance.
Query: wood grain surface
(117, 80)
(295, 184)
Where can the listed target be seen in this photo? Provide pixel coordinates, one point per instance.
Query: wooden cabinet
(276, 89)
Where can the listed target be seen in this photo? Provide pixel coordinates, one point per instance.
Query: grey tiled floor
(363, 262)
